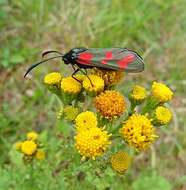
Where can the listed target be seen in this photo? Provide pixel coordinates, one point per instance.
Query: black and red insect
(118, 59)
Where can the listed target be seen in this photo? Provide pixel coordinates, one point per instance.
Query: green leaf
(17, 58)
(5, 63)
(16, 157)
(5, 179)
(151, 182)
(64, 127)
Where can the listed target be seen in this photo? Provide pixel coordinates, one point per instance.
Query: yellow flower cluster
(109, 77)
(110, 104)
(85, 121)
(138, 132)
(70, 85)
(162, 115)
(31, 147)
(91, 140)
(93, 83)
(161, 92)
(120, 161)
(92, 143)
(138, 93)
(53, 78)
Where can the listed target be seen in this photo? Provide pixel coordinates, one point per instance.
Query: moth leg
(73, 67)
(85, 73)
(75, 71)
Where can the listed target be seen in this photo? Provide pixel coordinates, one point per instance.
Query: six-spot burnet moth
(118, 59)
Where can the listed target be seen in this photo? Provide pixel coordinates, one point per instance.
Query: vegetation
(155, 29)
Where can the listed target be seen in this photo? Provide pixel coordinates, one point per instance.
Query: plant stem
(151, 104)
(31, 174)
(153, 158)
(132, 108)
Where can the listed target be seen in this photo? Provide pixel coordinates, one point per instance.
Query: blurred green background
(156, 29)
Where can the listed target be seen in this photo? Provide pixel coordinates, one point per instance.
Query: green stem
(151, 104)
(132, 108)
(31, 174)
(116, 129)
(115, 136)
(60, 101)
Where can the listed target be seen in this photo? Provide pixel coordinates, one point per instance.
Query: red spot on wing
(85, 58)
(108, 56)
(123, 63)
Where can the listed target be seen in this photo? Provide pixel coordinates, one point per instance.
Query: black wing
(112, 58)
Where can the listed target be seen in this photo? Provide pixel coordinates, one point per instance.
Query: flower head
(110, 104)
(109, 77)
(85, 120)
(138, 93)
(93, 83)
(28, 147)
(120, 161)
(18, 145)
(92, 143)
(53, 78)
(80, 77)
(161, 92)
(163, 115)
(70, 113)
(40, 155)
(70, 85)
(32, 136)
(138, 132)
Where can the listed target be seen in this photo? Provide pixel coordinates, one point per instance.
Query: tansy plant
(31, 148)
(104, 121)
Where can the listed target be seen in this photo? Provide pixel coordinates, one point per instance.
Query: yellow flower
(70, 85)
(53, 78)
(163, 115)
(80, 77)
(93, 83)
(85, 120)
(110, 104)
(32, 136)
(18, 145)
(28, 147)
(40, 155)
(92, 143)
(161, 92)
(109, 77)
(138, 132)
(138, 93)
(70, 112)
(120, 161)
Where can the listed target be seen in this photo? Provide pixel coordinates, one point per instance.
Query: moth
(118, 59)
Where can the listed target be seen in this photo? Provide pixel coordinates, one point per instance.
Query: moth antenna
(51, 51)
(36, 64)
